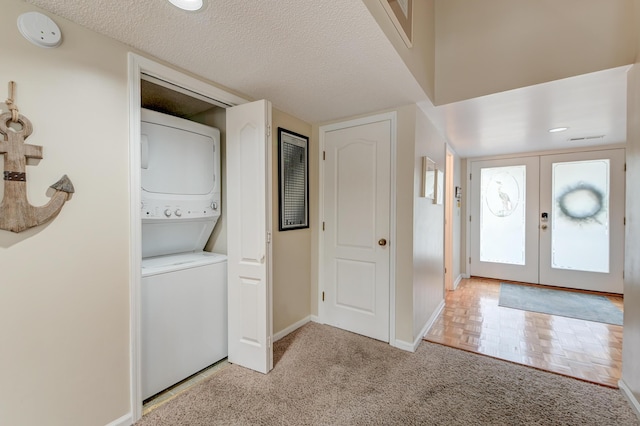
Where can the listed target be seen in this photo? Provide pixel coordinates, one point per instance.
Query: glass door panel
(503, 214)
(582, 220)
(504, 208)
(580, 215)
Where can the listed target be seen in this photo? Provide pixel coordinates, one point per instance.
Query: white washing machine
(184, 289)
(184, 317)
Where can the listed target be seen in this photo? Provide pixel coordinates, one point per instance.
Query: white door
(356, 228)
(504, 213)
(248, 189)
(582, 235)
(552, 219)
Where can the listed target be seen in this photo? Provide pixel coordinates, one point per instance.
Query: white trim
(626, 391)
(406, 346)
(137, 65)
(393, 229)
(456, 283)
(392, 116)
(126, 420)
(293, 327)
(135, 237)
(315, 318)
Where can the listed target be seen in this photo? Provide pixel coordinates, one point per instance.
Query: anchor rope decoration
(16, 214)
(11, 104)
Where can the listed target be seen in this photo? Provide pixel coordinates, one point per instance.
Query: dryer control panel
(177, 209)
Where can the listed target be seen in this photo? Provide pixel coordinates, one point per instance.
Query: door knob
(543, 226)
(382, 242)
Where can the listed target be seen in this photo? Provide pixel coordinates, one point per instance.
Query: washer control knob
(214, 205)
(167, 213)
(178, 212)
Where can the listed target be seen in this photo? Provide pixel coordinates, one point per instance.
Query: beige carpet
(325, 376)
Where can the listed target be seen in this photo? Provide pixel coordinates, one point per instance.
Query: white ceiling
(329, 59)
(518, 120)
(318, 60)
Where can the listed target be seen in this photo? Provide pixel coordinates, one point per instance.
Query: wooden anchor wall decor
(16, 214)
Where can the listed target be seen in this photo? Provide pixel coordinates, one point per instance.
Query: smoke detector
(39, 29)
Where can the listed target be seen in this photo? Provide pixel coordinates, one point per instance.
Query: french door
(553, 219)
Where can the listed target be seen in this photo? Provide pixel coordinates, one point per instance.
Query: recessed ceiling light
(558, 129)
(190, 5)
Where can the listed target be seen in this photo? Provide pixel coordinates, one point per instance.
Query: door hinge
(625, 167)
(445, 270)
(469, 176)
(269, 341)
(269, 130)
(324, 155)
(624, 221)
(268, 237)
(323, 226)
(323, 296)
(469, 218)
(469, 260)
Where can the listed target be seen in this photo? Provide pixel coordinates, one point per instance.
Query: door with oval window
(552, 219)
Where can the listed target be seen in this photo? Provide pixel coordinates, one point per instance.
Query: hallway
(473, 321)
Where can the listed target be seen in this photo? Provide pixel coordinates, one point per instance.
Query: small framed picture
(293, 180)
(428, 178)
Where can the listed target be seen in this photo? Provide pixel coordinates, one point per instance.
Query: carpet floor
(327, 376)
(572, 304)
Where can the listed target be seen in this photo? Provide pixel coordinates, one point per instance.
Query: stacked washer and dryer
(184, 289)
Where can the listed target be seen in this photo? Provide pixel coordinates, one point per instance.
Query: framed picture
(293, 180)
(401, 14)
(428, 178)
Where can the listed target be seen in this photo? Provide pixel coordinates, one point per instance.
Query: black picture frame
(293, 180)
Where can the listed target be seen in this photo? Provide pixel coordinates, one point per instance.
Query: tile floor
(472, 320)
(164, 396)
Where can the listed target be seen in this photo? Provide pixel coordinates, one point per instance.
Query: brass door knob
(382, 242)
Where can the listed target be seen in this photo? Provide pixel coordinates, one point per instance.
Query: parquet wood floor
(473, 321)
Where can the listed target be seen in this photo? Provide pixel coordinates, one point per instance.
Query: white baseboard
(126, 420)
(405, 346)
(315, 318)
(626, 391)
(457, 281)
(412, 347)
(293, 327)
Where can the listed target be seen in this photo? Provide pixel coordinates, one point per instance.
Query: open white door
(248, 159)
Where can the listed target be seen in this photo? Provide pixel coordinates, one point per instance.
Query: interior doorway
(142, 69)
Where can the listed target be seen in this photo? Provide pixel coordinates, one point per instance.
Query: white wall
(420, 58)
(64, 287)
(490, 46)
(631, 337)
(428, 228)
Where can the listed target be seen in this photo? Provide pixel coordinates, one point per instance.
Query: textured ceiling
(316, 59)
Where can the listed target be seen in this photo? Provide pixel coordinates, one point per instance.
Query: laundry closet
(183, 293)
